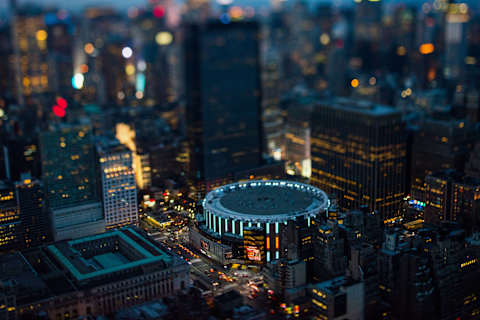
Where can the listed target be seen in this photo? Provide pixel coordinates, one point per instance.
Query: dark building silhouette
(223, 98)
(452, 196)
(438, 145)
(35, 225)
(359, 153)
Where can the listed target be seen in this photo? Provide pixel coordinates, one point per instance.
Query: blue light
(50, 18)
(140, 83)
(225, 18)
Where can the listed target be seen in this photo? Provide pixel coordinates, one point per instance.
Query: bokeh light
(127, 52)
(164, 38)
(58, 111)
(77, 81)
(41, 35)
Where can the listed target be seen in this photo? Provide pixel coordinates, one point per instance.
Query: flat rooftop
(106, 253)
(363, 107)
(266, 200)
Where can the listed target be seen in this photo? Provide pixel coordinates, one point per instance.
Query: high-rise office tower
(118, 71)
(68, 168)
(30, 39)
(456, 41)
(223, 116)
(35, 225)
(438, 145)
(368, 33)
(452, 196)
(359, 153)
(60, 41)
(9, 218)
(118, 184)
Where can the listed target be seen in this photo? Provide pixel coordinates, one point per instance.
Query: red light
(58, 111)
(158, 11)
(62, 103)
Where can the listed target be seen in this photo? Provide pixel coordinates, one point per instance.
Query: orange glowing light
(427, 48)
(89, 48)
(354, 83)
(236, 12)
(431, 74)
(276, 243)
(268, 243)
(83, 68)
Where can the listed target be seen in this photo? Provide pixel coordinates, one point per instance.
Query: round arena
(250, 221)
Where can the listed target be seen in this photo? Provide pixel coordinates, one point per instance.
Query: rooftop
(266, 199)
(106, 253)
(360, 107)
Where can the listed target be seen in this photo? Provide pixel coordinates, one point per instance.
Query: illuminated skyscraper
(9, 218)
(35, 225)
(118, 184)
(439, 145)
(223, 98)
(68, 168)
(456, 41)
(30, 38)
(359, 154)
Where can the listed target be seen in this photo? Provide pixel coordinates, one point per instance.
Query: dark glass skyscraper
(223, 98)
(68, 167)
(35, 226)
(359, 153)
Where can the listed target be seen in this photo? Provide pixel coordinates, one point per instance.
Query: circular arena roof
(266, 201)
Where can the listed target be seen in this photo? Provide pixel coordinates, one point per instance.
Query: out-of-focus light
(127, 52)
(408, 92)
(158, 11)
(354, 83)
(132, 12)
(224, 2)
(41, 35)
(83, 68)
(89, 48)
(225, 18)
(58, 111)
(236, 13)
(401, 51)
(62, 103)
(357, 1)
(250, 12)
(324, 39)
(164, 38)
(120, 95)
(62, 14)
(129, 69)
(77, 81)
(426, 7)
(372, 81)
(141, 65)
(139, 95)
(470, 60)
(2, 113)
(426, 48)
(463, 8)
(140, 82)
(403, 94)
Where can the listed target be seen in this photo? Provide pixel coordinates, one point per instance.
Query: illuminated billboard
(253, 253)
